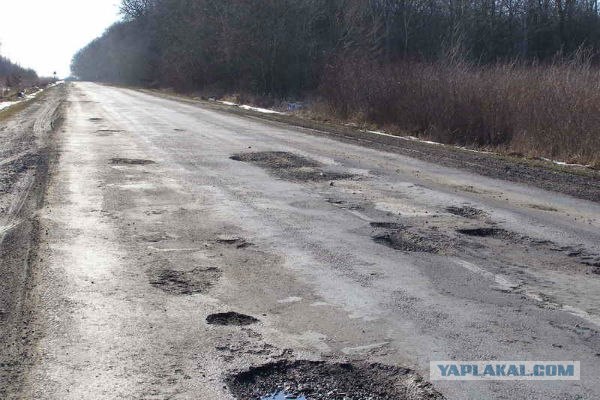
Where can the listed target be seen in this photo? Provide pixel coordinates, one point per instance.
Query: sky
(45, 34)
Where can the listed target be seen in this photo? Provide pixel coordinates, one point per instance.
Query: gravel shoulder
(26, 132)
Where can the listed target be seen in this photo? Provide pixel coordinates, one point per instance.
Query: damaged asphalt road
(189, 253)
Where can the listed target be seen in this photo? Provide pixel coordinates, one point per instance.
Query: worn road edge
(19, 253)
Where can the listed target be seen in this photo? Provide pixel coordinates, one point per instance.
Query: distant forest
(15, 76)
(519, 76)
(281, 47)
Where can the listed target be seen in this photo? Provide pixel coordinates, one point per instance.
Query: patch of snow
(251, 108)
(411, 138)
(6, 104)
(262, 110)
(564, 163)
(416, 139)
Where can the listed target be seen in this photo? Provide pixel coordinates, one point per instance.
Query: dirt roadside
(26, 156)
(583, 183)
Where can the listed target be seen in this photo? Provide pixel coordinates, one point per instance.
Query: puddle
(307, 380)
(186, 282)
(231, 319)
(130, 161)
(466, 212)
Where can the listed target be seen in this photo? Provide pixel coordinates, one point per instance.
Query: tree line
(283, 47)
(13, 76)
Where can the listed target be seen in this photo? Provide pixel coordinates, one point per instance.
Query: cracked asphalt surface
(162, 217)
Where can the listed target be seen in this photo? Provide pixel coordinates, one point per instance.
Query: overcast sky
(44, 34)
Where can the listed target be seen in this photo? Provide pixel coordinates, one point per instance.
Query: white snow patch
(30, 96)
(564, 163)
(262, 110)
(7, 104)
(251, 108)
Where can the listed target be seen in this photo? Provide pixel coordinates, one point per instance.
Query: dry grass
(539, 111)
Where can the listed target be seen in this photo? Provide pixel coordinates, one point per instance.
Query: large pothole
(230, 318)
(185, 282)
(333, 381)
(484, 232)
(276, 159)
(291, 166)
(407, 241)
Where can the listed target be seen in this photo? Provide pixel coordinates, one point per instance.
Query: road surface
(161, 213)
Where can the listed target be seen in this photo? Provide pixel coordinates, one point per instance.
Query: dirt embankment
(25, 159)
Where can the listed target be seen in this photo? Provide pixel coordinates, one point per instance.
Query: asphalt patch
(186, 282)
(290, 166)
(332, 381)
(131, 161)
(230, 319)
(466, 212)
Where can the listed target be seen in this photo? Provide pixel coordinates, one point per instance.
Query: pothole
(542, 207)
(276, 159)
(407, 241)
(186, 282)
(131, 161)
(107, 132)
(236, 241)
(484, 232)
(230, 319)
(291, 166)
(466, 212)
(335, 201)
(333, 381)
(311, 174)
(388, 225)
(95, 119)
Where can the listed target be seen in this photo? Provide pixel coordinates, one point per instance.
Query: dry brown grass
(536, 110)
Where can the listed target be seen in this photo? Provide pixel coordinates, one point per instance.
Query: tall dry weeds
(537, 110)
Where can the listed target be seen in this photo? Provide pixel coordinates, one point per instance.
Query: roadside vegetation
(517, 76)
(15, 79)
